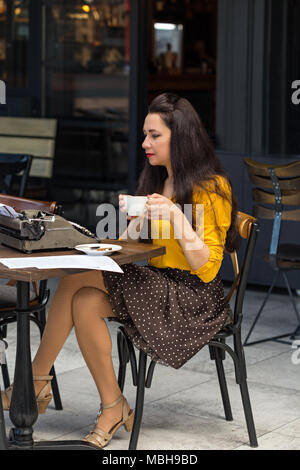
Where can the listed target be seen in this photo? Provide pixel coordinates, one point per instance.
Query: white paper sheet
(103, 263)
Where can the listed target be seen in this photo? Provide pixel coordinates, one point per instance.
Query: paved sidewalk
(183, 409)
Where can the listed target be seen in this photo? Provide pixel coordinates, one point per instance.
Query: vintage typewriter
(35, 230)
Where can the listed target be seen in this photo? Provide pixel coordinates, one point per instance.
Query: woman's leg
(60, 321)
(90, 308)
(81, 301)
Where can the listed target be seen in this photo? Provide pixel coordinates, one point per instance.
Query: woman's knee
(73, 282)
(87, 302)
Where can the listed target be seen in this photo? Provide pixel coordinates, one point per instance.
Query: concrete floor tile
(201, 362)
(119, 442)
(183, 408)
(272, 408)
(54, 423)
(270, 330)
(282, 371)
(291, 429)
(278, 316)
(162, 429)
(165, 382)
(275, 441)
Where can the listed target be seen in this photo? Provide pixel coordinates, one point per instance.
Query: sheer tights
(81, 301)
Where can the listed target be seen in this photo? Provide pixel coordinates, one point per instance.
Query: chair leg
(278, 337)
(238, 347)
(248, 413)
(260, 311)
(123, 359)
(223, 385)
(5, 375)
(139, 403)
(55, 390)
(4, 368)
(293, 301)
(296, 332)
(127, 354)
(3, 331)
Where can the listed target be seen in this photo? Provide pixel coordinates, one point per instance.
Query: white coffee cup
(135, 205)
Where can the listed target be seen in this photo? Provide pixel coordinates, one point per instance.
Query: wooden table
(23, 409)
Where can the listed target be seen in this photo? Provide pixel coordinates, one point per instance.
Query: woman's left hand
(160, 207)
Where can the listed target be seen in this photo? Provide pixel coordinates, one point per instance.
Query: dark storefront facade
(258, 61)
(70, 60)
(93, 65)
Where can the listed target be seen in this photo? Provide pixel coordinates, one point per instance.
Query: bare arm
(194, 249)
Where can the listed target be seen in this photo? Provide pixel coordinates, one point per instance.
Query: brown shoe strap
(111, 405)
(98, 437)
(42, 377)
(6, 397)
(125, 412)
(100, 433)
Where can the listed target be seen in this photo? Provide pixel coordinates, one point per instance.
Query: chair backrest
(30, 136)
(275, 185)
(21, 203)
(276, 196)
(248, 228)
(10, 167)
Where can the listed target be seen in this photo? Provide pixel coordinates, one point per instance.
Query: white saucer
(92, 248)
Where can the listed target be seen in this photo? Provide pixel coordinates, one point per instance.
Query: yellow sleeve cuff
(210, 269)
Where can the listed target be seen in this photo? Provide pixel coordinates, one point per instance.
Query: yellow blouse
(217, 212)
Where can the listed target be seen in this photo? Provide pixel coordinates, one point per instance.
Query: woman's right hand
(123, 208)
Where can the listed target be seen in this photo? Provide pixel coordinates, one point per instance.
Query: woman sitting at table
(172, 307)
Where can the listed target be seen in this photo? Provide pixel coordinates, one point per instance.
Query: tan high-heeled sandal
(43, 398)
(101, 438)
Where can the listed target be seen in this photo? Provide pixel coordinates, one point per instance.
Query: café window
(182, 53)
(14, 42)
(87, 89)
(168, 47)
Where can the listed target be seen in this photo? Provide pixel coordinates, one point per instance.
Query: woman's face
(157, 142)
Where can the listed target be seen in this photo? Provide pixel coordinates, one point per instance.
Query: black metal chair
(39, 295)
(276, 196)
(3, 437)
(11, 165)
(248, 229)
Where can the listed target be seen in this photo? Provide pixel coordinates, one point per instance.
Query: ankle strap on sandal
(42, 377)
(111, 405)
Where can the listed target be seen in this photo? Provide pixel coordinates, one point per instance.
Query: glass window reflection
(88, 86)
(14, 40)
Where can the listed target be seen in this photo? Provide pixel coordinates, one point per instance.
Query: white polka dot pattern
(170, 314)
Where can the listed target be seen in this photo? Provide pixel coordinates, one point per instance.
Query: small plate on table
(98, 249)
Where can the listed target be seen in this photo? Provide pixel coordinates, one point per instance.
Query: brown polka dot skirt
(170, 314)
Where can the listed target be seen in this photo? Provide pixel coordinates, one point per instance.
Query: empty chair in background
(276, 196)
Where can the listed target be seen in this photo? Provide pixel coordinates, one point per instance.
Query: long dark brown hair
(193, 159)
